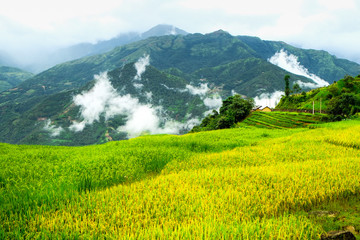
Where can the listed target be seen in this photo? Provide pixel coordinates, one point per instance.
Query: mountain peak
(219, 32)
(163, 29)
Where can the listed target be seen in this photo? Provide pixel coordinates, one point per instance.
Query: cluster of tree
(340, 100)
(233, 110)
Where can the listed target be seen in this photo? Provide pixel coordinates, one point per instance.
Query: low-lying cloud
(212, 101)
(268, 99)
(201, 90)
(141, 65)
(290, 63)
(104, 100)
(53, 130)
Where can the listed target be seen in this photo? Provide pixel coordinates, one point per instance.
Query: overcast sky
(29, 26)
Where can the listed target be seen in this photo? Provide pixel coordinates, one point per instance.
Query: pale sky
(28, 27)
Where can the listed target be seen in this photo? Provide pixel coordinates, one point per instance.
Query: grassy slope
(251, 183)
(321, 96)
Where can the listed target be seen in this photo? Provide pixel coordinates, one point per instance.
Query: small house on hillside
(259, 109)
(266, 109)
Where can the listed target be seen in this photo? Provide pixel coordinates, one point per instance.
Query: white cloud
(141, 65)
(290, 63)
(53, 130)
(201, 90)
(213, 102)
(104, 100)
(138, 85)
(306, 84)
(77, 126)
(40, 24)
(96, 101)
(268, 99)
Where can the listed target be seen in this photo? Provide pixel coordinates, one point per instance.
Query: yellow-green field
(244, 183)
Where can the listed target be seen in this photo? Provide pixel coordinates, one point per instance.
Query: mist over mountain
(50, 59)
(170, 81)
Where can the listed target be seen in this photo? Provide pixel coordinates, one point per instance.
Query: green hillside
(249, 77)
(189, 54)
(11, 77)
(243, 183)
(25, 123)
(320, 63)
(326, 97)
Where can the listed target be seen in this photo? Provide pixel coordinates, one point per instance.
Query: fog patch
(233, 92)
(290, 63)
(268, 99)
(213, 102)
(141, 65)
(53, 130)
(202, 90)
(104, 100)
(138, 86)
(306, 84)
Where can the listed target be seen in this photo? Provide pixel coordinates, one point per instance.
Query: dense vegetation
(233, 110)
(11, 77)
(340, 100)
(243, 183)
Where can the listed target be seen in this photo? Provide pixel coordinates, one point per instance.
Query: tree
(237, 107)
(287, 85)
(233, 110)
(344, 105)
(296, 88)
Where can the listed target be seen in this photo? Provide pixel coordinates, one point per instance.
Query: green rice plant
(243, 183)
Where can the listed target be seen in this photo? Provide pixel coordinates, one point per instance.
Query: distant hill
(11, 77)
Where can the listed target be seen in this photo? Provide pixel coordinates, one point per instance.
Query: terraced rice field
(279, 120)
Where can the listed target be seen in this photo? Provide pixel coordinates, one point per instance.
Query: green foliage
(287, 85)
(344, 105)
(340, 99)
(233, 110)
(296, 88)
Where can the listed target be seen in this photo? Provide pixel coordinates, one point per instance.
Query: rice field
(243, 183)
(279, 120)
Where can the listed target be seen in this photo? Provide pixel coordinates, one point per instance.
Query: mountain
(163, 30)
(11, 77)
(166, 102)
(183, 77)
(88, 49)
